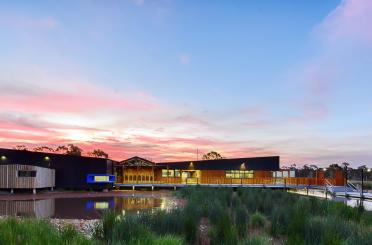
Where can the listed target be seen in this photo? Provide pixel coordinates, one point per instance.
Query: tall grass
(36, 232)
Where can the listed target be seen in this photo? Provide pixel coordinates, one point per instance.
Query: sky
(167, 79)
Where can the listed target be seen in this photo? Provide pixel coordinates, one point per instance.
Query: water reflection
(84, 207)
(351, 202)
(29, 208)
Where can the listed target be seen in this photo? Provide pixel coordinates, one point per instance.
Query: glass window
(239, 174)
(26, 173)
(177, 173)
(168, 173)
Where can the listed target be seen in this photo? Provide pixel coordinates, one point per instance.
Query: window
(239, 174)
(101, 178)
(26, 173)
(177, 173)
(170, 173)
(167, 173)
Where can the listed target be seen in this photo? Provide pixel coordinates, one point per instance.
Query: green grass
(35, 232)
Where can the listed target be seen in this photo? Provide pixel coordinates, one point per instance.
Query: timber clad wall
(9, 178)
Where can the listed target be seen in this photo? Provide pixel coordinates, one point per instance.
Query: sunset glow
(165, 79)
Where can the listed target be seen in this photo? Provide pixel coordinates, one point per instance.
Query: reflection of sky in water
(86, 207)
(94, 207)
(351, 202)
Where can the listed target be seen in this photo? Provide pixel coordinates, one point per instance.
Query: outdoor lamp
(3, 158)
(46, 158)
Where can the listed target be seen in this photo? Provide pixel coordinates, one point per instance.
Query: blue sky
(163, 78)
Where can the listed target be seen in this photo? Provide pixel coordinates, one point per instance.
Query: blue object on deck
(100, 178)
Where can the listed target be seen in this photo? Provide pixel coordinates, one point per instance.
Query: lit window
(239, 174)
(101, 178)
(167, 173)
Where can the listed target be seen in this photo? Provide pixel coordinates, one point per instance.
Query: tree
(212, 155)
(335, 166)
(43, 149)
(61, 149)
(98, 153)
(20, 147)
(70, 149)
(73, 150)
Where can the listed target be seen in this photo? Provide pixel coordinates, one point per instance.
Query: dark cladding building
(71, 172)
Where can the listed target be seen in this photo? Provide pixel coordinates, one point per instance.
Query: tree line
(69, 149)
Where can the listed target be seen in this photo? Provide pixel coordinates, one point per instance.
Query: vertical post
(362, 196)
(34, 191)
(345, 184)
(285, 184)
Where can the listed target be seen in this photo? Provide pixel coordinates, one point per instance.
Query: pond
(351, 202)
(85, 207)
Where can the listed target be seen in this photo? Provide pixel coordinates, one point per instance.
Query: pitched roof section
(252, 163)
(137, 162)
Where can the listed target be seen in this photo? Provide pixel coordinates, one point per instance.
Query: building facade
(71, 172)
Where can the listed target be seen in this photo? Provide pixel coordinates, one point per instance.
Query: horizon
(165, 79)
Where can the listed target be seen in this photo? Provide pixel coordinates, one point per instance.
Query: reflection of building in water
(30, 208)
(137, 203)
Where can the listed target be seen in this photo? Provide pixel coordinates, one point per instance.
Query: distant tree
(364, 167)
(98, 153)
(212, 155)
(20, 148)
(314, 167)
(293, 166)
(306, 171)
(61, 149)
(70, 149)
(335, 166)
(43, 149)
(73, 150)
(345, 165)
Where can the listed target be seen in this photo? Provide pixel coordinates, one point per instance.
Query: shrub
(258, 220)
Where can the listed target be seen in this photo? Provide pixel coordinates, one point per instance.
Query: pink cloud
(351, 20)
(80, 98)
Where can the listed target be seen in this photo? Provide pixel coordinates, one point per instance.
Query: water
(88, 207)
(351, 202)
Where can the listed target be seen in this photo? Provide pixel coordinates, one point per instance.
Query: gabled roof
(137, 162)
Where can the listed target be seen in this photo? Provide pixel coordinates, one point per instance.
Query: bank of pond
(214, 216)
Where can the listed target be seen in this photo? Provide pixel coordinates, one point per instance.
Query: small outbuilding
(16, 176)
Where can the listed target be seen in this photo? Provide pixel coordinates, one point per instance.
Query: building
(221, 171)
(16, 176)
(77, 172)
(236, 171)
(71, 172)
